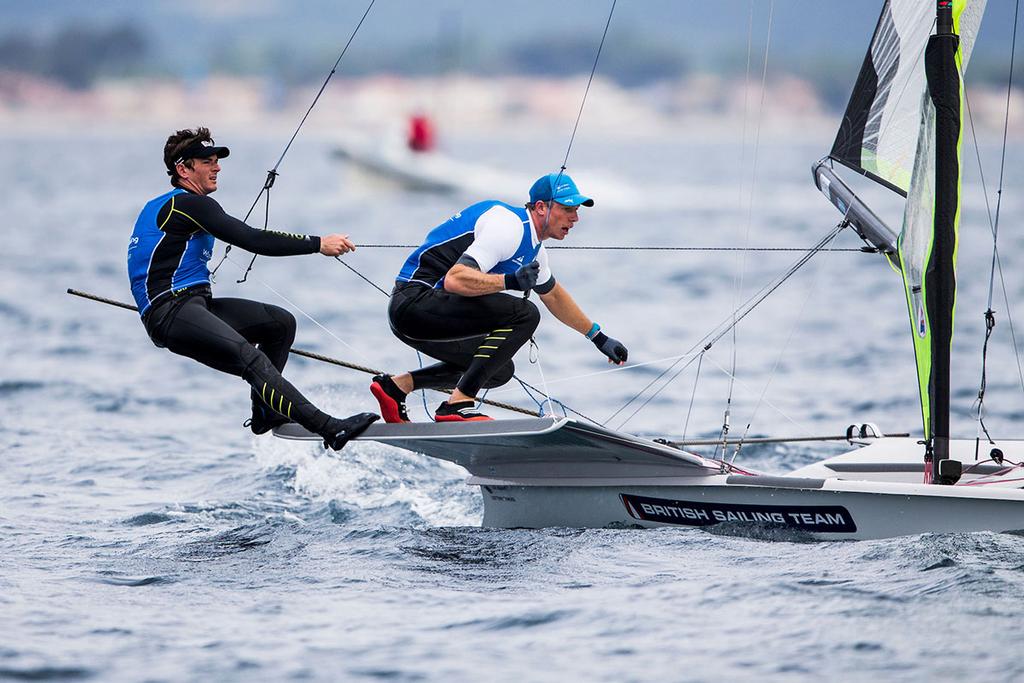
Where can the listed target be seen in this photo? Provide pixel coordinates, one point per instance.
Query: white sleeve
(544, 276)
(496, 237)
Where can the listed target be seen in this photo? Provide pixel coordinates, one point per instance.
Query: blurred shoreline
(699, 107)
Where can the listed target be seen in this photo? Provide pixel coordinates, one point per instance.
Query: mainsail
(879, 133)
(903, 129)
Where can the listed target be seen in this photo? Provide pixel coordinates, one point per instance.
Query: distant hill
(823, 40)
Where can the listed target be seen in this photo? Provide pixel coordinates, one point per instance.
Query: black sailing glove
(610, 347)
(523, 279)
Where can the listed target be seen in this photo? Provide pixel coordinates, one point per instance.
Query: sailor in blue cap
(449, 300)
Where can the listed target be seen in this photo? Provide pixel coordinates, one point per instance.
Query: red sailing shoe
(390, 398)
(462, 411)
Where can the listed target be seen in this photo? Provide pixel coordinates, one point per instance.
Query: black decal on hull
(819, 518)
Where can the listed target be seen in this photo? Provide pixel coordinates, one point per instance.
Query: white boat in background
(387, 159)
(903, 129)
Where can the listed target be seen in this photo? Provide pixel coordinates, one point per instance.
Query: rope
(272, 173)
(775, 366)
(593, 70)
(627, 247)
(990, 321)
(313, 320)
(365, 279)
(771, 405)
(621, 368)
(693, 395)
(711, 337)
(535, 359)
(740, 275)
(309, 354)
(527, 386)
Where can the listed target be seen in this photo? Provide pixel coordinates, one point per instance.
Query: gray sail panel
(878, 134)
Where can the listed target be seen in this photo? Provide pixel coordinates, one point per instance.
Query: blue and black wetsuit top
(173, 242)
(446, 243)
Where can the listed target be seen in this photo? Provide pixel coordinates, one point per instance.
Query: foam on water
(371, 476)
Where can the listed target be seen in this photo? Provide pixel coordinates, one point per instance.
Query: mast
(944, 88)
(896, 92)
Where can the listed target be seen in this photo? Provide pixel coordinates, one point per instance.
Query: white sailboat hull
(839, 510)
(537, 473)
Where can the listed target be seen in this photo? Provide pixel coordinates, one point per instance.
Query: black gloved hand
(610, 347)
(523, 279)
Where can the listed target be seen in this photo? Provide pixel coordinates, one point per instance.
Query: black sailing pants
(245, 338)
(474, 337)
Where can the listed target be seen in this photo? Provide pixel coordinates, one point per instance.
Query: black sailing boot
(263, 419)
(337, 432)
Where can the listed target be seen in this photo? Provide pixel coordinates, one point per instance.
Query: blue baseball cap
(560, 188)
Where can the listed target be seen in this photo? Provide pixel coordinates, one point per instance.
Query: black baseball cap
(201, 150)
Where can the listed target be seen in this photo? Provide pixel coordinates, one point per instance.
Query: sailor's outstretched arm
(564, 307)
(207, 214)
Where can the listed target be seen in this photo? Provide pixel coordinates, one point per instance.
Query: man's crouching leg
(492, 360)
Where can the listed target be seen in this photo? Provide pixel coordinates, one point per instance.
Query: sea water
(145, 535)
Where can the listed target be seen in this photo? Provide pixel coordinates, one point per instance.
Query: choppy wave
(144, 534)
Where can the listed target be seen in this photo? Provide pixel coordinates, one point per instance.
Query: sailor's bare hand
(336, 245)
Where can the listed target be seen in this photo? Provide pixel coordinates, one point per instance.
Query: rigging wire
(593, 70)
(527, 387)
(628, 247)
(306, 315)
(272, 173)
(579, 114)
(565, 161)
(742, 256)
(620, 368)
(775, 366)
(561, 171)
(693, 395)
(545, 394)
(712, 337)
(803, 428)
(996, 261)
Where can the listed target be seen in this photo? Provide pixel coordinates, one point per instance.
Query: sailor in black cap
(167, 263)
